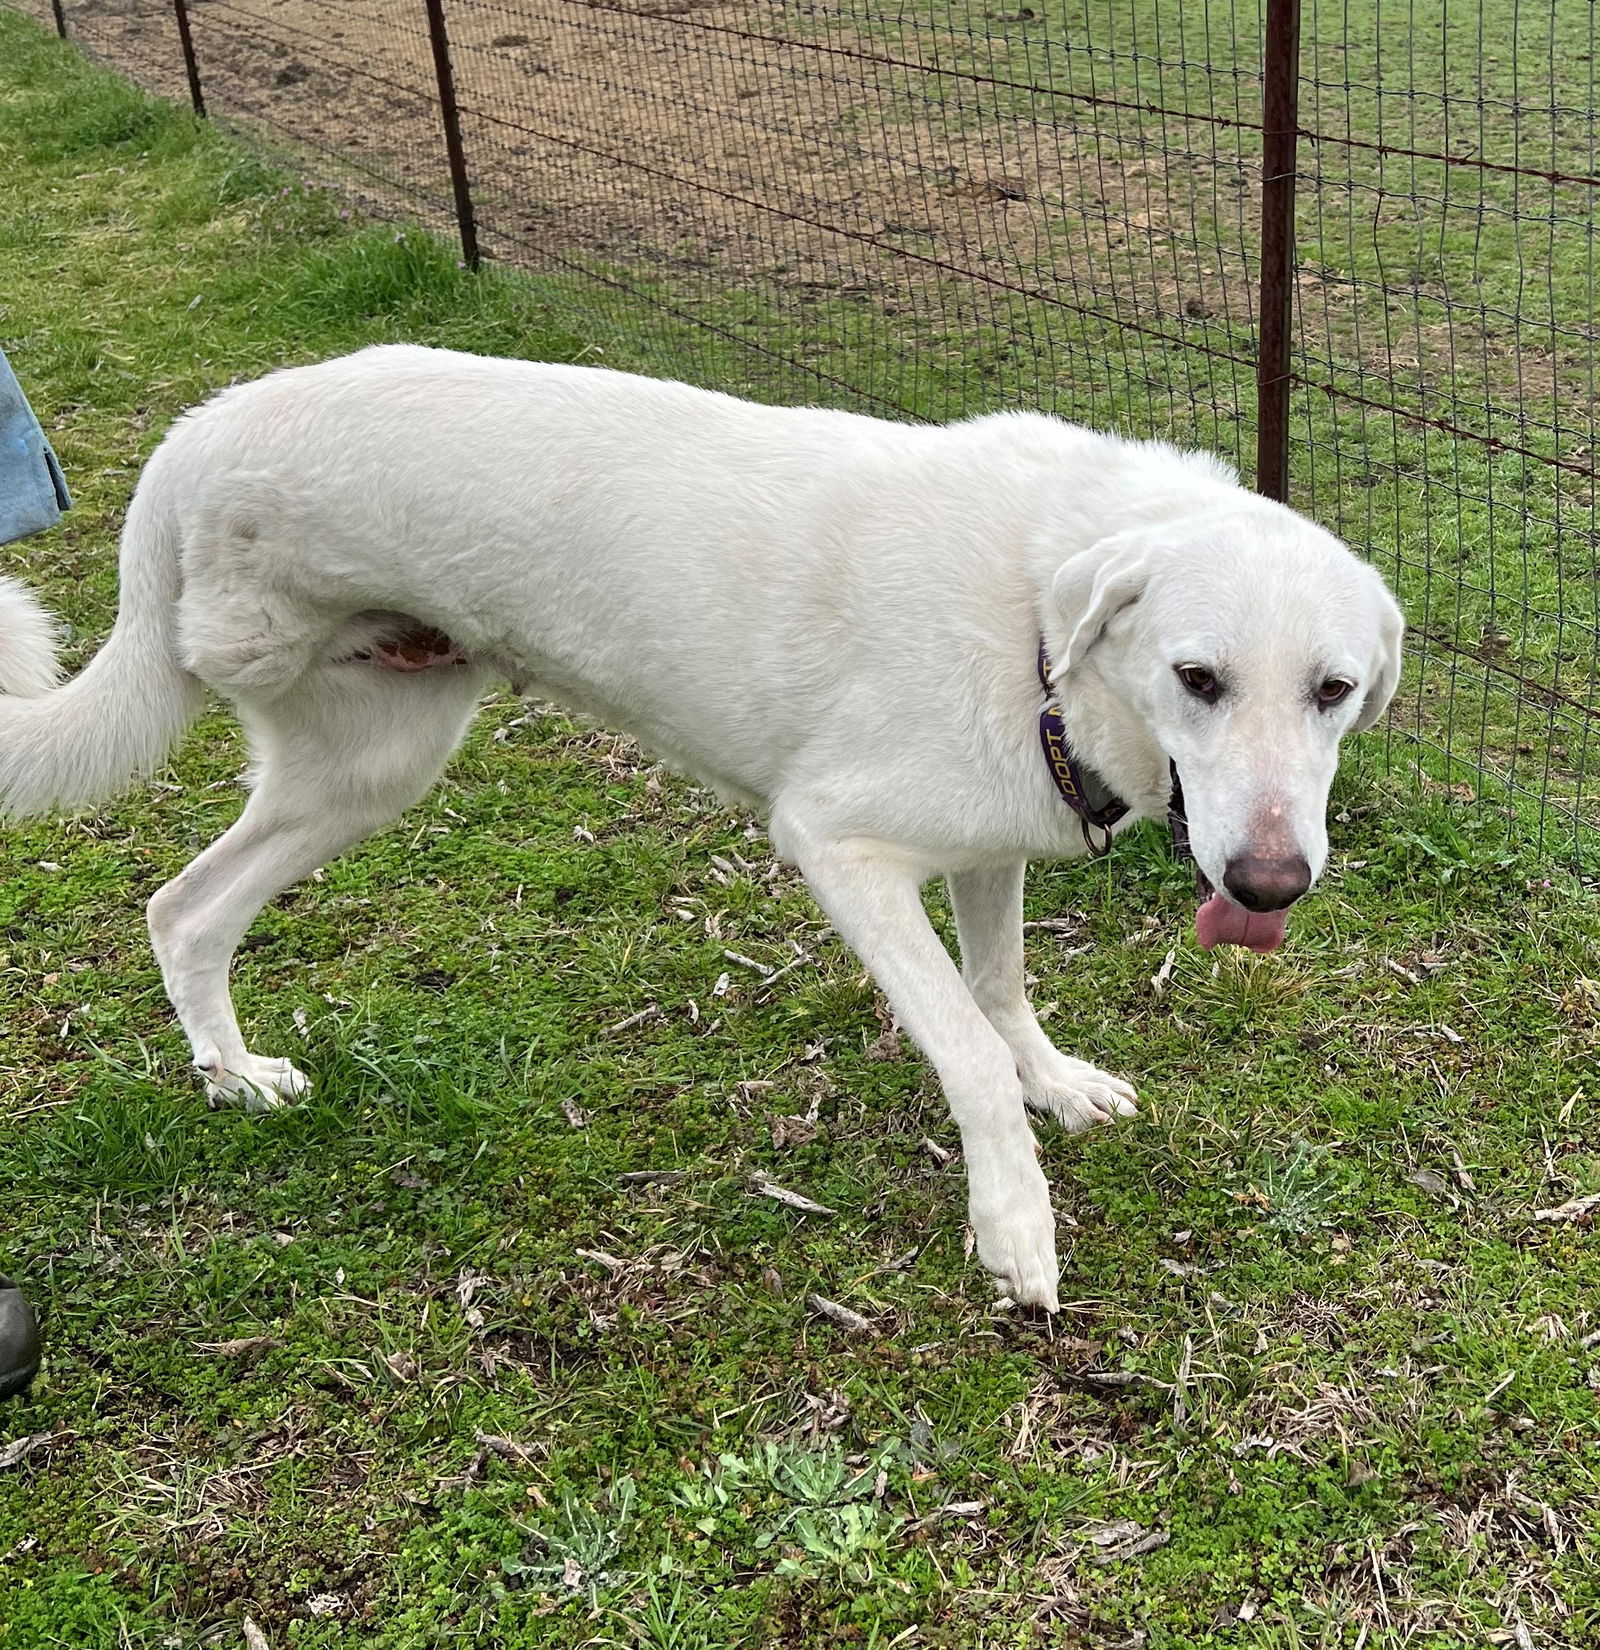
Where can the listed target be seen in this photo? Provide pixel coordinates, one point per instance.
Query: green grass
(413, 1365)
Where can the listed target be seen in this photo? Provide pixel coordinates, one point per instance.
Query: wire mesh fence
(932, 209)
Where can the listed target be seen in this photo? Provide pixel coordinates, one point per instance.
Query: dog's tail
(65, 747)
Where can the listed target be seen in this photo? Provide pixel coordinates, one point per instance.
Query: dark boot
(19, 1341)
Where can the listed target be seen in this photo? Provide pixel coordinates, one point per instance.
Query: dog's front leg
(988, 907)
(874, 901)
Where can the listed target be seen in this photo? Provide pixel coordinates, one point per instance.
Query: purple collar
(1097, 806)
(1178, 821)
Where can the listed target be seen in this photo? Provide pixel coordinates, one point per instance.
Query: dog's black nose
(1260, 883)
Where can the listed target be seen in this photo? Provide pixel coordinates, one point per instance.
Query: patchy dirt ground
(740, 140)
(979, 173)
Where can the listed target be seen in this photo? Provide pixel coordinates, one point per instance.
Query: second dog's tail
(69, 746)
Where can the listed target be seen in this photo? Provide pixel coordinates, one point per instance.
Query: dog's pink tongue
(1220, 922)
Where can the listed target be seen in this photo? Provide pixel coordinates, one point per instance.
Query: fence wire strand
(932, 209)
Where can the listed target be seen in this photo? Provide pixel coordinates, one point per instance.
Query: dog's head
(1248, 642)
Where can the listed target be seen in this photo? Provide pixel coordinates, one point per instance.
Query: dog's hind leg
(988, 907)
(338, 756)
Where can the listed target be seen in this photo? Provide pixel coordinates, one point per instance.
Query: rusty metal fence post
(450, 115)
(191, 66)
(1280, 131)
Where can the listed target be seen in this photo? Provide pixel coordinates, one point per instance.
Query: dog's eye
(1199, 681)
(1333, 691)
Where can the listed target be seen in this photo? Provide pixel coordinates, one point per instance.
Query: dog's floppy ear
(1386, 669)
(1092, 588)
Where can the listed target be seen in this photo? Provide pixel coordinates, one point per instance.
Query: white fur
(67, 747)
(27, 643)
(830, 616)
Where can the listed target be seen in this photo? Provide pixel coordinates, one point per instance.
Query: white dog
(841, 620)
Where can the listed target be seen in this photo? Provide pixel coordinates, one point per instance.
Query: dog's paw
(1016, 1233)
(256, 1084)
(1080, 1095)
